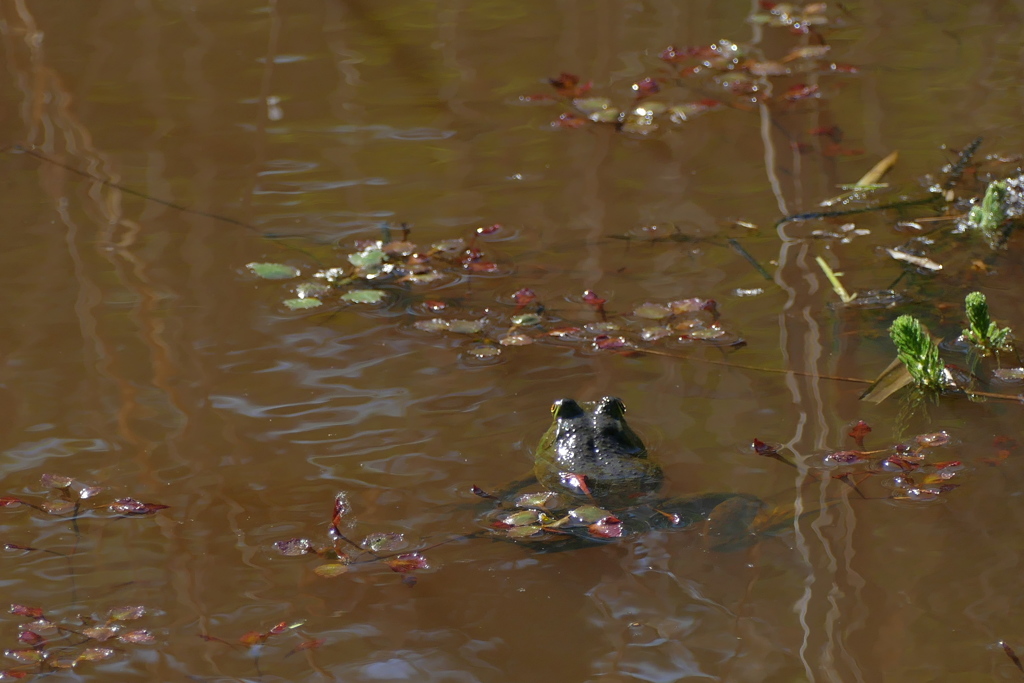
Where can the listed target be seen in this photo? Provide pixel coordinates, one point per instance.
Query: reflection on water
(140, 355)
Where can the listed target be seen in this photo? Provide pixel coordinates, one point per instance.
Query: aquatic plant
(990, 215)
(918, 353)
(984, 334)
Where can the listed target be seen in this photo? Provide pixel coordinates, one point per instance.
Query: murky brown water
(140, 354)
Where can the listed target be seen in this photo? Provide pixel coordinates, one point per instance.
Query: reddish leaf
(23, 611)
(126, 612)
(843, 68)
(31, 638)
(570, 121)
(859, 431)
(574, 482)
(609, 527)
(895, 463)
(477, 491)
(307, 645)
(762, 448)
(140, 637)
(489, 229)
(26, 656)
(9, 502)
(278, 628)
(800, 91)
(592, 299)
(568, 85)
(604, 342)
(1012, 655)
(834, 133)
(252, 638)
(955, 464)
(293, 547)
(100, 633)
(844, 458)
(481, 267)
(646, 88)
(4, 675)
(130, 506)
(434, 305)
(56, 481)
(523, 297)
(94, 654)
(407, 562)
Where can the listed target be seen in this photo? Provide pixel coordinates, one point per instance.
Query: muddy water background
(139, 355)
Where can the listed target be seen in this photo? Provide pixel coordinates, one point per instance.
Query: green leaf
(298, 304)
(273, 271)
(588, 514)
(466, 326)
(917, 351)
(526, 319)
(364, 296)
(652, 311)
(367, 259)
(329, 571)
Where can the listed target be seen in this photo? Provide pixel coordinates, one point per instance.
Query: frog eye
(610, 405)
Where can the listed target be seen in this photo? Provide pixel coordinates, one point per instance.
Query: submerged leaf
(294, 547)
(384, 542)
(56, 481)
(126, 613)
(407, 563)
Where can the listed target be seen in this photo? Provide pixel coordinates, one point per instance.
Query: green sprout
(990, 216)
(916, 350)
(981, 331)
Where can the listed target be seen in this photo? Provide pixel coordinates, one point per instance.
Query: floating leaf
(484, 351)
(604, 342)
(384, 542)
(932, 440)
(57, 507)
(26, 656)
(432, 325)
(311, 290)
(251, 638)
(130, 506)
(56, 481)
(368, 259)
(273, 271)
(100, 633)
(859, 431)
(545, 500)
(609, 527)
(329, 571)
(364, 296)
(450, 246)
(293, 547)
(94, 654)
(523, 518)
(526, 319)
(301, 304)
(23, 611)
(31, 638)
(139, 637)
(515, 340)
(1008, 375)
(407, 563)
(126, 613)
(601, 328)
(466, 326)
(89, 491)
(9, 502)
(652, 311)
(589, 514)
(525, 531)
(654, 333)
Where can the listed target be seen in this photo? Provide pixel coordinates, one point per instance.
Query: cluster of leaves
(982, 332)
(910, 470)
(256, 639)
(919, 354)
(340, 552)
(529, 321)
(1001, 207)
(68, 497)
(374, 263)
(547, 515)
(734, 75)
(48, 645)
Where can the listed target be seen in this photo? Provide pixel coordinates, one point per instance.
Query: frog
(590, 452)
(602, 484)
